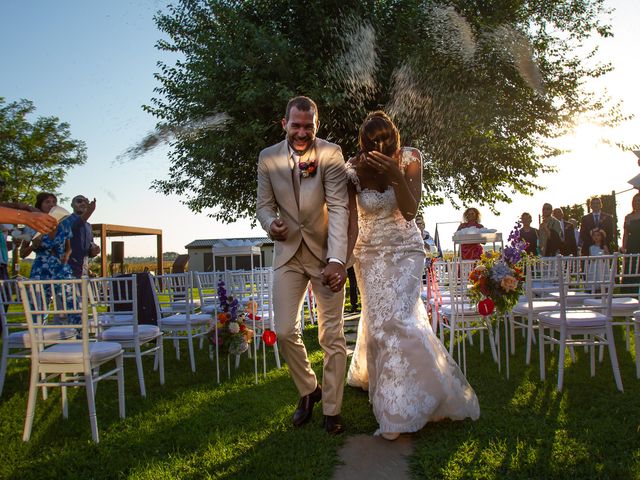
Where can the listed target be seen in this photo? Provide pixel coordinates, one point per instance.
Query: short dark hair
(303, 104)
(41, 197)
(378, 130)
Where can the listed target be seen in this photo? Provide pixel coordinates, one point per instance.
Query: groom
(303, 206)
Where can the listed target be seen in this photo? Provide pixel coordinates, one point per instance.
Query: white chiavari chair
(114, 302)
(72, 362)
(577, 325)
(16, 342)
(461, 317)
(171, 292)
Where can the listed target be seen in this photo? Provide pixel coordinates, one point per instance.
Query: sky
(91, 64)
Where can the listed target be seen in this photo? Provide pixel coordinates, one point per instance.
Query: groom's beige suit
(317, 221)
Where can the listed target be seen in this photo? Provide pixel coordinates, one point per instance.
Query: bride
(410, 376)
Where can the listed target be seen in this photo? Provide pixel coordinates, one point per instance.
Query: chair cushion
(125, 333)
(575, 318)
(180, 319)
(522, 308)
(467, 309)
(573, 297)
(22, 338)
(115, 318)
(618, 304)
(208, 308)
(180, 306)
(72, 352)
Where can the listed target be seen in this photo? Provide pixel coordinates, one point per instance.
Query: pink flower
(509, 283)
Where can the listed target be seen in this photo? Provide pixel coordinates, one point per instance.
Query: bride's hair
(378, 132)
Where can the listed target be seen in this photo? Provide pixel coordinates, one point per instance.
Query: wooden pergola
(104, 230)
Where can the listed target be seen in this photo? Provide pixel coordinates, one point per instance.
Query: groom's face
(301, 128)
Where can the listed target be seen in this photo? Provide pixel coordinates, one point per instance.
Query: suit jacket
(322, 217)
(587, 224)
(569, 245)
(548, 242)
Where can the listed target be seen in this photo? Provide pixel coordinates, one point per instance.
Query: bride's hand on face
(383, 164)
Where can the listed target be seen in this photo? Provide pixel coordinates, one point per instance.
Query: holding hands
(334, 276)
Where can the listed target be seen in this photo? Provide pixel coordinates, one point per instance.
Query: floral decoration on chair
(233, 335)
(498, 279)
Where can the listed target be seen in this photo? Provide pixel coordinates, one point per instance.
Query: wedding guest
(82, 246)
(599, 245)
(576, 232)
(471, 218)
(631, 244)
(568, 244)
(353, 290)
(17, 213)
(597, 219)
(549, 234)
(426, 236)
(529, 234)
(53, 250)
(631, 229)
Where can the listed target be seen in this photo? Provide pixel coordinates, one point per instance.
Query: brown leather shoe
(333, 424)
(305, 407)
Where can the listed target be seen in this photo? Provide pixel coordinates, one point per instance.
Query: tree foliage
(477, 85)
(36, 156)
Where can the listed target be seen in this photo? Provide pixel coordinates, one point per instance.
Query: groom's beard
(301, 153)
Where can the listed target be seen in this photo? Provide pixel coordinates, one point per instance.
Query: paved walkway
(367, 457)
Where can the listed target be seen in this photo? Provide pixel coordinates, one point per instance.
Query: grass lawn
(193, 428)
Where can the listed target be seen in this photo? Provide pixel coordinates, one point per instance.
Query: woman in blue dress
(53, 250)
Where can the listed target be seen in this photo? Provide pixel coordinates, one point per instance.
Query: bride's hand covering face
(383, 164)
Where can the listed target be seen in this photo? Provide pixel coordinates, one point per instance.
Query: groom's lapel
(308, 184)
(284, 171)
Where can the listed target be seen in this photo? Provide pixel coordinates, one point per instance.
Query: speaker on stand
(117, 256)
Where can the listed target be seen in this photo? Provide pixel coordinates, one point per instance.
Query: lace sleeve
(352, 176)
(410, 155)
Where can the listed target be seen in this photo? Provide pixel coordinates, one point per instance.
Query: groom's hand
(334, 276)
(278, 230)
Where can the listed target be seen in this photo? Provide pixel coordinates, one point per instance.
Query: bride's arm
(352, 231)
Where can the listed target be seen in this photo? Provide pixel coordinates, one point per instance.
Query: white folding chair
(577, 325)
(70, 362)
(207, 285)
(525, 313)
(172, 293)
(264, 319)
(16, 343)
(461, 316)
(626, 294)
(115, 303)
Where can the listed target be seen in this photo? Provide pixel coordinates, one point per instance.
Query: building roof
(220, 242)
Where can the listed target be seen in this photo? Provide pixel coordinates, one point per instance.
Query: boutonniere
(308, 168)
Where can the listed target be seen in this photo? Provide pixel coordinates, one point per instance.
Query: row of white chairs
(569, 301)
(72, 327)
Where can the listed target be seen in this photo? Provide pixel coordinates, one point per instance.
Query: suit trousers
(289, 285)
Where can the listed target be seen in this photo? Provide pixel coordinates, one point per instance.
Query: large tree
(34, 156)
(477, 85)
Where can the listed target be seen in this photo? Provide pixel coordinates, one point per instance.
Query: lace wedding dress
(410, 376)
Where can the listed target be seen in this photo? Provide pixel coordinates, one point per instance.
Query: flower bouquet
(498, 279)
(231, 333)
